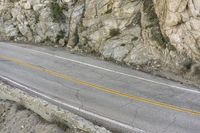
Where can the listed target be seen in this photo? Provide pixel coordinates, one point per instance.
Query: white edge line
(76, 108)
(117, 72)
(113, 71)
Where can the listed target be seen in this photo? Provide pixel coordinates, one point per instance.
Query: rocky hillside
(14, 118)
(152, 35)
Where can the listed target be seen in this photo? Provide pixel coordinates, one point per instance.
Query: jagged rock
(27, 6)
(25, 31)
(45, 15)
(180, 22)
(61, 42)
(76, 16)
(48, 30)
(11, 31)
(34, 2)
(38, 7)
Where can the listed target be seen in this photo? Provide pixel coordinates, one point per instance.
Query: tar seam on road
(103, 89)
(113, 71)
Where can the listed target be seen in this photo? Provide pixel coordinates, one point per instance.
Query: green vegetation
(123, 44)
(158, 37)
(108, 11)
(188, 63)
(109, 7)
(134, 38)
(171, 47)
(61, 35)
(13, 1)
(114, 32)
(137, 19)
(57, 12)
(36, 17)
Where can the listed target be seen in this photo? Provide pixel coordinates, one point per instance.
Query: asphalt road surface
(118, 98)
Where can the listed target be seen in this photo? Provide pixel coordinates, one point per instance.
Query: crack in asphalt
(135, 116)
(77, 95)
(169, 125)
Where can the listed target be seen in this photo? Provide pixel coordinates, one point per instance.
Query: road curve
(118, 98)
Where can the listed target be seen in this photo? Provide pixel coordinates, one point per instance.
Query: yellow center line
(101, 88)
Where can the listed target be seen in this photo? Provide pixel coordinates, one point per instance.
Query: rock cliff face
(144, 33)
(180, 22)
(40, 21)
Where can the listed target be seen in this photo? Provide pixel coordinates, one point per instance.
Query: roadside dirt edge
(48, 111)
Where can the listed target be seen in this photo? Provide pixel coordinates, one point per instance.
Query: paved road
(122, 99)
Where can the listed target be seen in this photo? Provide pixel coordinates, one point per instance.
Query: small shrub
(36, 17)
(13, 1)
(158, 37)
(61, 35)
(123, 44)
(195, 70)
(108, 11)
(57, 12)
(134, 38)
(137, 19)
(171, 47)
(114, 32)
(188, 64)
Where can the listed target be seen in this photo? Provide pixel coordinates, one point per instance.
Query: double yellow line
(101, 88)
